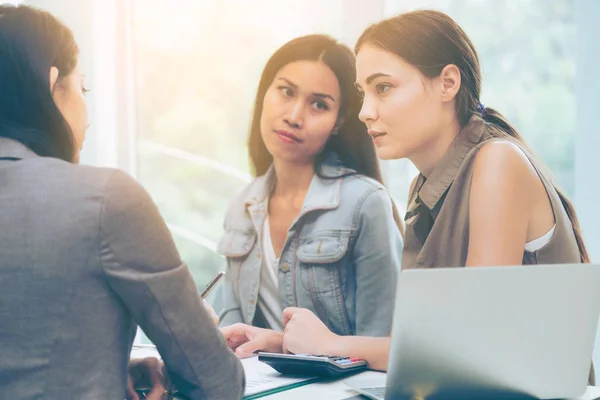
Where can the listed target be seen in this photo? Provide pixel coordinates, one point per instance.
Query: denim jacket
(340, 260)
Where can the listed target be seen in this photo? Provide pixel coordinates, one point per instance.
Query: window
(197, 68)
(527, 55)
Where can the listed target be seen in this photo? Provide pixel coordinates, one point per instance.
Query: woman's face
(401, 107)
(300, 111)
(68, 94)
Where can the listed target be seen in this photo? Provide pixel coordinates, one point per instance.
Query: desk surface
(333, 390)
(337, 390)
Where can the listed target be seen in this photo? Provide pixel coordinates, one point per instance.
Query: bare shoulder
(501, 163)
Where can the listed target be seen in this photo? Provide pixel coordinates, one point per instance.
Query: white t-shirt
(269, 301)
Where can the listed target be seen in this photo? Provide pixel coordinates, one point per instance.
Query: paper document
(144, 350)
(262, 378)
(259, 376)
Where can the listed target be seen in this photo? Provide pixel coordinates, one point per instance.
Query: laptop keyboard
(375, 391)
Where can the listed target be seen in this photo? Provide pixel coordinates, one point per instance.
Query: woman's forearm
(374, 350)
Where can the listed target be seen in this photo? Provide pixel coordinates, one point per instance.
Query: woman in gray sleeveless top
(481, 198)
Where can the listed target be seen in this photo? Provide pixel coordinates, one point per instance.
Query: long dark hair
(31, 42)
(431, 40)
(352, 144)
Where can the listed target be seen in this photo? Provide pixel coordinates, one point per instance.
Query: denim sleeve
(142, 266)
(377, 255)
(231, 312)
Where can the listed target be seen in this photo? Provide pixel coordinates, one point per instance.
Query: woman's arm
(306, 333)
(377, 255)
(505, 189)
(142, 266)
(232, 312)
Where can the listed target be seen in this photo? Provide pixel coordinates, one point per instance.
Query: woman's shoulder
(364, 195)
(498, 160)
(358, 186)
(83, 179)
(252, 191)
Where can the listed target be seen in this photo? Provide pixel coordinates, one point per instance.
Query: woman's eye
(84, 90)
(320, 105)
(286, 91)
(382, 87)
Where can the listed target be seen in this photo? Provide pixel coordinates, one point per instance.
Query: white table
(333, 390)
(338, 390)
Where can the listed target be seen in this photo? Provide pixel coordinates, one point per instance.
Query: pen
(212, 284)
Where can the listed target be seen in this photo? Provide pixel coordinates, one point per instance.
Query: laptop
(491, 332)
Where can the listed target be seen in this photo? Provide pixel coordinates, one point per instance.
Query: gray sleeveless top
(437, 218)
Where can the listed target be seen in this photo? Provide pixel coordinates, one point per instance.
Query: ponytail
(585, 258)
(499, 122)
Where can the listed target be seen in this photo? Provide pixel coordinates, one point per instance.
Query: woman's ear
(450, 80)
(53, 77)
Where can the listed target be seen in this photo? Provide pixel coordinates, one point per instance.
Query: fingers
(131, 393)
(250, 347)
(144, 373)
(155, 373)
(284, 347)
(235, 330)
(236, 335)
(288, 313)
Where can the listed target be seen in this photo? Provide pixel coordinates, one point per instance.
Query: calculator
(313, 365)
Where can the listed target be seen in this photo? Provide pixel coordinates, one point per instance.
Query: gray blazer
(84, 256)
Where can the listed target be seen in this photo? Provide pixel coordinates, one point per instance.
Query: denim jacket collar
(323, 194)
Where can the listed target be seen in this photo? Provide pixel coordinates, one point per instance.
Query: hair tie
(481, 108)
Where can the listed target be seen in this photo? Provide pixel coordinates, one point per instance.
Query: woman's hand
(304, 333)
(245, 339)
(147, 373)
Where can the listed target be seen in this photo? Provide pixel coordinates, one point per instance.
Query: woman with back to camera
(85, 253)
